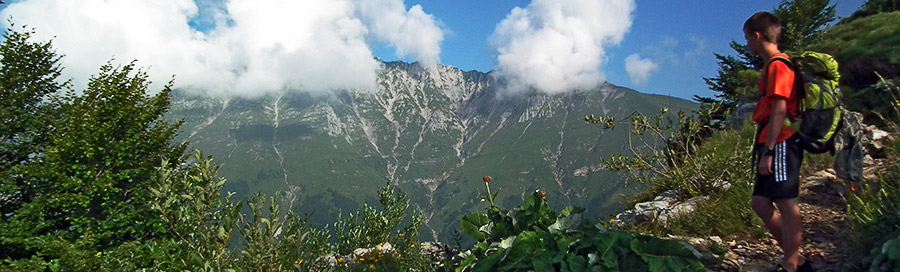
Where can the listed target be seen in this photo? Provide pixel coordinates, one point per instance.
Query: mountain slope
(434, 132)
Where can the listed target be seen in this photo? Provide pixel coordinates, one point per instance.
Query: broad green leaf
(609, 245)
(471, 223)
(664, 255)
(566, 223)
(507, 242)
(570, 210)
(890, 244)
(527, 245)
(489, 263)
(593, 258)
(576, 263)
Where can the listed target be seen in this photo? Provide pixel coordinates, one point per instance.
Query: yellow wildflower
(341, 260)
(371, 266)
(401, 235)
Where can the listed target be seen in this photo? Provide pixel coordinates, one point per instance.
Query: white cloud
(412, 32)
(639, 70)
(246, 47)
(559, 45)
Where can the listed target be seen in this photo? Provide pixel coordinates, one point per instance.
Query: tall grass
(873, 209)
(723, 160)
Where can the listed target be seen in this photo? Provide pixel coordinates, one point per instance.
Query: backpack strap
(798, 81)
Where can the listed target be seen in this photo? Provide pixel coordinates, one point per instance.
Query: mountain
(433, 132)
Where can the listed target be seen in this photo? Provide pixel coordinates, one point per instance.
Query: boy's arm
(776, 121)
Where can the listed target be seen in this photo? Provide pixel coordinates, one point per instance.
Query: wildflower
(361, 259)
(611, 221)
(412, 245)
(542, 193)
(309, 254)
(401, 235)
(371, 266)
(486, 178)
(422, 244)
(341, 259)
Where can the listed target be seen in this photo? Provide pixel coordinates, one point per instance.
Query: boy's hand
(765, 165)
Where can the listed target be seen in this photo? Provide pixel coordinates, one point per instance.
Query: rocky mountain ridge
(432, 131)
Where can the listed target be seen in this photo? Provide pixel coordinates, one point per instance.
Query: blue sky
(255, 47)
(681, 36)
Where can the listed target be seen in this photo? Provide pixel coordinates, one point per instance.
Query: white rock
(667, 196)
(877, 134)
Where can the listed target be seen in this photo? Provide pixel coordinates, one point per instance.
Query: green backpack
(820, 103)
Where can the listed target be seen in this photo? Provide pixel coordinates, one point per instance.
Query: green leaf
(472, 223)
(507, 242)
(570, 210)
(664, 255)
(543, 262)
(890, 244)
(466, 262)
(519, 255)
(489, 263)
(566, 223)
(609, 245)
(482, 246)
(576, 263)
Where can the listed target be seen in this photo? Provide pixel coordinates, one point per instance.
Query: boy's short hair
(765, 23)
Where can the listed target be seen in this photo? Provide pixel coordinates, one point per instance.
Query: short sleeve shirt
(776, 81)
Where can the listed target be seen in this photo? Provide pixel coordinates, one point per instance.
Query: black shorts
(784, 182)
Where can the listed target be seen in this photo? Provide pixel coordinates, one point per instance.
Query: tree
(803, 22)
(28, 76)
(873, 7)
(84, 189)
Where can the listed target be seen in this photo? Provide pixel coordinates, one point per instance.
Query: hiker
(778, 153)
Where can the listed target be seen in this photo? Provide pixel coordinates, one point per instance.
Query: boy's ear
(756, 36)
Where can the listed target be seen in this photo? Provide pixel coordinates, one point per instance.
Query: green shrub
(533, 237)
(873, 210)
(204, 228)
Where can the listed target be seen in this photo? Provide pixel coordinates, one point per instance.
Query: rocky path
(825, 229)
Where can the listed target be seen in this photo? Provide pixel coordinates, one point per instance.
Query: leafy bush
(874, 211)
(533, 237)
(203, 227)
(661, 147)
(74, 167)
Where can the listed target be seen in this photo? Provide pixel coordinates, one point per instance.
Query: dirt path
(824, 230)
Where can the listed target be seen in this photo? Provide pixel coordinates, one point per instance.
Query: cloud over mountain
(639, 70)
(245, 47)
(558, 45)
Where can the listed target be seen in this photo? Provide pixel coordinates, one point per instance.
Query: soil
(824, 230)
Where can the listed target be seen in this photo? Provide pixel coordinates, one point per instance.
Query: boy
(780, 153)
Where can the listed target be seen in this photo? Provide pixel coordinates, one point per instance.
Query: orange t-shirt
(777, 80)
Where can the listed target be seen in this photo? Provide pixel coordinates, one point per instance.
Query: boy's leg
(771, 218)
(792, 231)
(782, 188)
